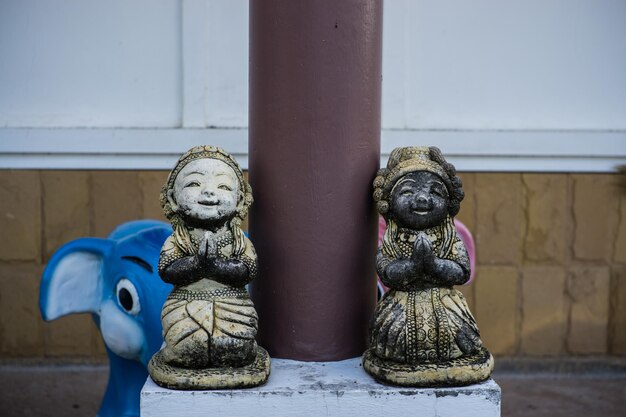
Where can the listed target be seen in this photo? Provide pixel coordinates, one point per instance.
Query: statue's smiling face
(419, 200)
(206, 192)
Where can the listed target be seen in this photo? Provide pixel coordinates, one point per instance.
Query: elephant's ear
(72, 280)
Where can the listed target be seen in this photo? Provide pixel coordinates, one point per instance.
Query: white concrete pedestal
(323, 389)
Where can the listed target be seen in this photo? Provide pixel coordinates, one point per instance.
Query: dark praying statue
(422, 333)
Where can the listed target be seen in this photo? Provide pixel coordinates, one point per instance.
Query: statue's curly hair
(403, 161)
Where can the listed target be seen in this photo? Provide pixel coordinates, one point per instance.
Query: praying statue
(209, 321)
(423, 333)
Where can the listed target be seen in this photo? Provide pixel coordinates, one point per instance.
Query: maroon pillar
(315, 80)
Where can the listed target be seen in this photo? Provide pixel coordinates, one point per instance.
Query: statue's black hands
(422, 257)
(204, 264)
(399, 274)
(227, 271)
(422, 269)
(403, 274)
(433, 270)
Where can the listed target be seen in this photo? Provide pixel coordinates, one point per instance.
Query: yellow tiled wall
(551, 252)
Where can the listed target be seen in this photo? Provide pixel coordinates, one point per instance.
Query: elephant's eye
(127, 297)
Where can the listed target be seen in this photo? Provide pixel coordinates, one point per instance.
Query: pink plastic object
(468, 240)
(464, 234)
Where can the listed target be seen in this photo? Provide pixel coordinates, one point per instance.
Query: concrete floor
(76, 390)
(556, 396)
(59, 391)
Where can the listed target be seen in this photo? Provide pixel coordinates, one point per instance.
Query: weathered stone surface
(618, 308)
(500, 218)
(333, 389)
(21, 326)
(588, 288)
(116, 199)
(412, 339)
(544, 310)
(65, 207)
(469, 369)
(548, 217)
(69, 336)
(245, 225)
(595, 216)
(20, 215)
(619, 253)
(209, 325)
(496, 298)
(219, 377)
(151, 183)
(467, 215)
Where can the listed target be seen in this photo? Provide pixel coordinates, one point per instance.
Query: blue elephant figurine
(115, 279)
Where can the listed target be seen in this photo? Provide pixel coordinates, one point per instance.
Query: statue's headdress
(403, 161)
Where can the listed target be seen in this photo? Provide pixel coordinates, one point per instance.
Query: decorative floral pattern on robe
(426, 323)
(209, 328)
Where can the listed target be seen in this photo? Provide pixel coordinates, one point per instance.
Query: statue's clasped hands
(207, 251)
(420, 267)
(422, 258)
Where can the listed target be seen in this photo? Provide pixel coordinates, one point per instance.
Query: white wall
(505, 64)
(486, 80)
(90, 63)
